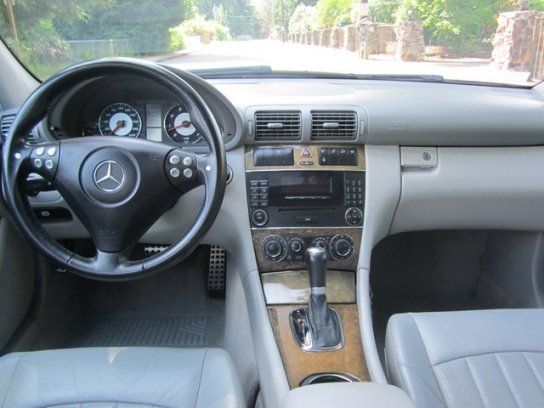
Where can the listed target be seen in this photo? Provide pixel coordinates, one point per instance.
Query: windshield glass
(499, 41)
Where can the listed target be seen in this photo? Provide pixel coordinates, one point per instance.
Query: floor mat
(158, 332)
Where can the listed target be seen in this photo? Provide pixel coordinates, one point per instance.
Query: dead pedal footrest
(216, 271)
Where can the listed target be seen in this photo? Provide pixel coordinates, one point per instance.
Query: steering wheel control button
(175, 172)
(188, 173)
(38, 163)
(49, 164)
(259, 218)
(187, 161)
(52, 151)
(40, 151)
(174, 160)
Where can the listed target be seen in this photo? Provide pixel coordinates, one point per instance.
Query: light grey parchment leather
(468, 359)
(131, 377)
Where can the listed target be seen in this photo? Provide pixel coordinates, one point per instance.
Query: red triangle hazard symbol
(305, 152)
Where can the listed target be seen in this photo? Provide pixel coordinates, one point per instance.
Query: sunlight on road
(297, 57)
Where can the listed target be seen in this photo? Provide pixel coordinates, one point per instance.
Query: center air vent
(5, 125)
(277, 125)
(334, 125)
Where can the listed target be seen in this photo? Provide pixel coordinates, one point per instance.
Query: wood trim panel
(314, 159)
(265, 265)
(300, 364)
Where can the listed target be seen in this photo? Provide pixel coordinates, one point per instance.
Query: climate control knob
(320, 242)
(341, 247)
(296, 245)
(274, 248)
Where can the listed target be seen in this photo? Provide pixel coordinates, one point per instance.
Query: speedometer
(120, 119)
(179, 127)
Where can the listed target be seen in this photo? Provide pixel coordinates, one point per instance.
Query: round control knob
(259, 217)
(274, 248)
(341, 247)
(354, 216)
(296, 245)
(320, 242)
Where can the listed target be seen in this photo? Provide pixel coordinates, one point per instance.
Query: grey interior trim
(272, 376)
(411, 113)
(382, 195)
(475, 188)
(347, 395)
(372, 358)
(19, 83)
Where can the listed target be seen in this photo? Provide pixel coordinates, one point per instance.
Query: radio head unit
(290, 198)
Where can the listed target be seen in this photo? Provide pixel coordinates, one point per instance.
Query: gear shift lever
(319, 328)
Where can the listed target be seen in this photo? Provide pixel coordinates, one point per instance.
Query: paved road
(310, 58)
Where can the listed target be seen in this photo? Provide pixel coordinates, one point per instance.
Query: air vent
(277, 125)
(5, 125)
(339, 125)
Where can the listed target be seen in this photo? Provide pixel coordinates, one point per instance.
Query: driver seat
(132, 377)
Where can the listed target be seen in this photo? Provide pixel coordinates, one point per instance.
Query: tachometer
(179, 127)
(120, 119)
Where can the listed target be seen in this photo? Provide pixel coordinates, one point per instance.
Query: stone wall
(515, 42)
(410, 41)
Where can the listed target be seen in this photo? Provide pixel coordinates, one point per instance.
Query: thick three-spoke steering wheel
(117, 186)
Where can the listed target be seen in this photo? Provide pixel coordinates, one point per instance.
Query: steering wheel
(117, 186)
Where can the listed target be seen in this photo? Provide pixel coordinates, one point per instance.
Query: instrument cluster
(157, 121)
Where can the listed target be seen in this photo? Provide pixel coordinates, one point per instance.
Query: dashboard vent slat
(6, 122)
(334, 125)
(277, 125)
(5, 125)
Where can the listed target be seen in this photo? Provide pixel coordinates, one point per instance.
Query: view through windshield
(498, 41)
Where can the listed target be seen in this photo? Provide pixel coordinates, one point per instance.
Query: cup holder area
(324, 378)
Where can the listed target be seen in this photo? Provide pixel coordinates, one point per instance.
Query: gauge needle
(184, 124)
(120, 124)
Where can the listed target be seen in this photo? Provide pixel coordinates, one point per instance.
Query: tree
(331, 11)
(383, 11)
(304, 18)
(460, 24)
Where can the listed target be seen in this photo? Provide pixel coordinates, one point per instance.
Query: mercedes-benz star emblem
(109, 176)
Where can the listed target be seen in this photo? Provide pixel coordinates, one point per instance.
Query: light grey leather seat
(120, 378)
(488, 358)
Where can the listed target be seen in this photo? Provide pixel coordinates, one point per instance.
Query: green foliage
(145, 23)
(461, 25)
(176, 42)
(304, 18)
(200, 25)
(239, 16)
(331, 12)
(383, 11)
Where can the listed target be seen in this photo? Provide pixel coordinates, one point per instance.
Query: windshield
(491, 41)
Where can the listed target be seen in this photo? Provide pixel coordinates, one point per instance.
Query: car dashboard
(332, 163)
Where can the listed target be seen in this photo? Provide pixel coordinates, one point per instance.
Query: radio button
(254, 190)
(354, 216)
(259, 217)
(263, 183)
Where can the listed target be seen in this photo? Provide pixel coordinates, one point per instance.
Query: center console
(306, 200)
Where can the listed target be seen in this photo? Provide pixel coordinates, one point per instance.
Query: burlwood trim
(299, 364)
(265, 265)
(361, 162)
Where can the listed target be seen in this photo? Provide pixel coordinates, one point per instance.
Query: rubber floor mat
(164, 331)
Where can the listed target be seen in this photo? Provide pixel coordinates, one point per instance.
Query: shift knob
(316, 260)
